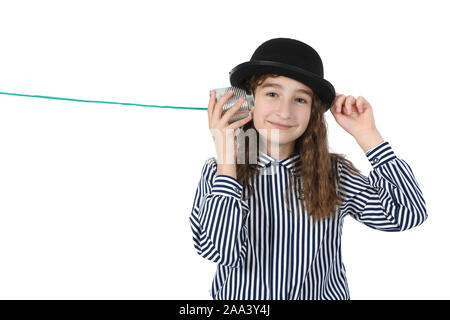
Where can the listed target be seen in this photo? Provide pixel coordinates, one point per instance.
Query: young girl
(274, 227)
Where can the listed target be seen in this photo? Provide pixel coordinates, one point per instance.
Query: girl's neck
(280, 151)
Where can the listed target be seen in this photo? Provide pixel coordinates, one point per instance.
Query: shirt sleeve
(389, 199)
(219, 217)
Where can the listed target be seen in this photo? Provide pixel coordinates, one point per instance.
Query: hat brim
(323, 88)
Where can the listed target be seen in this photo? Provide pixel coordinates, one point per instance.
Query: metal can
(238, 92)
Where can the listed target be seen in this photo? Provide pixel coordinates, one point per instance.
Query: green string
(79, 100)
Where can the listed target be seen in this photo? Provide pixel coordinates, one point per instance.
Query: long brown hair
(318, 174)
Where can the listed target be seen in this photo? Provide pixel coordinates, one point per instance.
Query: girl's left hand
(353, 115)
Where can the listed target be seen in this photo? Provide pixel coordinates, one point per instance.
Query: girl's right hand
(224, 133)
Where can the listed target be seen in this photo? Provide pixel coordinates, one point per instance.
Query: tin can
(238, 92)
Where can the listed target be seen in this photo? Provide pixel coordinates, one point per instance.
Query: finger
(353, 107)
(348, 105)
(240, 123)
(340, 99)
(218, 108)
(336, 96)
(361, 103)
(334, 105)
(230, 112)
(212, 100)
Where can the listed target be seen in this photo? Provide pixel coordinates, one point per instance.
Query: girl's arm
(219, 217)
(389, 199)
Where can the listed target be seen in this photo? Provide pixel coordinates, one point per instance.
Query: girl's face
(284, 101)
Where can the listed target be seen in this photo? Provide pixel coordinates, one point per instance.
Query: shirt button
(376, 160)
(236, 189)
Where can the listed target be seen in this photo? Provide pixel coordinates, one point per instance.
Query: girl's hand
(224, 133)
(354, 115)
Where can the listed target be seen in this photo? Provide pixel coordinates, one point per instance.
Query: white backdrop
(95, 198)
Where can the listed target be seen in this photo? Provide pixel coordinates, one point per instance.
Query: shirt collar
(265, 160)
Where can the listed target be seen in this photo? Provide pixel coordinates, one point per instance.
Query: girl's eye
(304, 101)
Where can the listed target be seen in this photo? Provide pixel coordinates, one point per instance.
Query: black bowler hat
(287, 57)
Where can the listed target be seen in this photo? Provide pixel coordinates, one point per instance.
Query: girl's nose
(283, 108)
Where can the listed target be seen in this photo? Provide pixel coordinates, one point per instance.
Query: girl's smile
(279, 126)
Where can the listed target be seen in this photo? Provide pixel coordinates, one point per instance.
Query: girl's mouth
(279, 126)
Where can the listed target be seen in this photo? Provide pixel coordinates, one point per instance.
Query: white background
(95, 198)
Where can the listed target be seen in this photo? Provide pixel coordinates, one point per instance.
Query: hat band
(284, 66)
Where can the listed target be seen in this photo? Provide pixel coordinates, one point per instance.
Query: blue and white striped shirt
(272, 254)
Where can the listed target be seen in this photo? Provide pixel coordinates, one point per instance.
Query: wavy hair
(317, 189)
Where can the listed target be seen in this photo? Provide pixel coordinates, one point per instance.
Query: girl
(274, 227)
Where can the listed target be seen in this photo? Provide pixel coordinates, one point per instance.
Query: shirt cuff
(227, 185)
(380, 154)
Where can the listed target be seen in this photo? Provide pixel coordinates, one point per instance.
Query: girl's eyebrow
(276, 85)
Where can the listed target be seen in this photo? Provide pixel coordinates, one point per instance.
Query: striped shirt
(265, 252)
